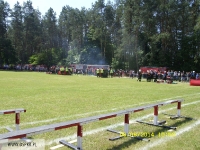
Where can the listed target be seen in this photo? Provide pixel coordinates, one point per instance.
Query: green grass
(57, 98)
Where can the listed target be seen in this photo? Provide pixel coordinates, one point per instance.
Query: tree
(16, 30)
(31, 31)
(7, 52)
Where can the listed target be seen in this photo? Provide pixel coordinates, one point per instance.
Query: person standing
(97, 71)
(132, 74)
(120, 73)
(148, 76)
(111, 72)
(101, 72)
(139, 76)
(197, 76)
(155, 76)
(193, 75)
(165, 76)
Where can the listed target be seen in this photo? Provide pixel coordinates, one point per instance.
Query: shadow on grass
(132, 141)
(177, 123)
(126, 144)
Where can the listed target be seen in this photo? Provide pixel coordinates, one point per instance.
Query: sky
(44, 5)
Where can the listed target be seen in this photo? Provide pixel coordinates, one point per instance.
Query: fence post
(179, 109)
(79, 137)
(17, 119)
(156, 115)
(126, 124)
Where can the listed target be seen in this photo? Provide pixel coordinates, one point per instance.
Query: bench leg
(79, 137)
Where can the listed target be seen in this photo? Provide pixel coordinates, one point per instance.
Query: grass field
(55, 98)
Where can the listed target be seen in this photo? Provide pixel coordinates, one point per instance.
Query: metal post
(79, 137)
(156, 115)
(17, 120)
(179, 109)
(126, 124)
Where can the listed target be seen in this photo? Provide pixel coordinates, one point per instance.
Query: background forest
(125, 34)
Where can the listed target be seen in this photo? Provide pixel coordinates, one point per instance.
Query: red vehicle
(158, 69)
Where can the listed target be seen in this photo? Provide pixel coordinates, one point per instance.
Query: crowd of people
(168, 76)
(149, 75)
(154, 75)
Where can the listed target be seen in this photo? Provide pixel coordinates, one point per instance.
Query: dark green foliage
(7, 52)
(126, 34)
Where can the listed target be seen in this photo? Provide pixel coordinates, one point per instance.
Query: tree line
(125, 34)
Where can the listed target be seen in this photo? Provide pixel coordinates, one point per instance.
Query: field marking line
(74, 136)
(89, 113)
(71, 116)
(54, 119)
(166, 139)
